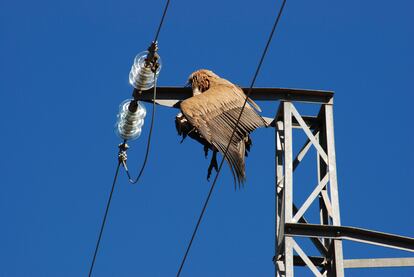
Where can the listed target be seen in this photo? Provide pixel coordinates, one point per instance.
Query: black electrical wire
(148, 140)
(162, 20)
(104, 218)
(153, 107)
(231, 138)
(120, 162)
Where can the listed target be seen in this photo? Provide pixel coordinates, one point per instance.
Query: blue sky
(64, 70)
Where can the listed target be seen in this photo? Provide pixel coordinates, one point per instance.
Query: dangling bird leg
(213, 164)
(192, 130)
(205, 151)
(184, 136)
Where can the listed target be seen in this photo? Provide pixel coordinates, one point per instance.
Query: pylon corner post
(320, 135)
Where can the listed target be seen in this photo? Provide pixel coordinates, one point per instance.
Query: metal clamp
(122, 154)
(152, 57)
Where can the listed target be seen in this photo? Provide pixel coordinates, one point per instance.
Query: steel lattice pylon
(327, 234)
(319, 132)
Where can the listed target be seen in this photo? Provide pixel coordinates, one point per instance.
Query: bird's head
(200, 80)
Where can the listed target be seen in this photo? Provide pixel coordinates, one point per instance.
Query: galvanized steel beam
(350, 233)
(170, 96)
(378, 262)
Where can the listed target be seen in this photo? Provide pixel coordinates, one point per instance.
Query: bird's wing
(214, 114)
(255, 106)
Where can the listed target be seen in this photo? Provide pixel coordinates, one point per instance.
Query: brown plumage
(210, 116)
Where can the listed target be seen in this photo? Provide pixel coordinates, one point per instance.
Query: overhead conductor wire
(120, 162)
(148, 140)
(132, 181)
(231, 137)
(162, 20)
(104, 218)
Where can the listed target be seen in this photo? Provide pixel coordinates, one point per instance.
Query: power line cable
(122, 161)
(148, 140)
(104, 218)
(231, 137)
(162, 20)
(154, 44)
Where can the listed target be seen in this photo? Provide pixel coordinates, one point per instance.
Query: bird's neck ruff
(200, 83)
(204, 79)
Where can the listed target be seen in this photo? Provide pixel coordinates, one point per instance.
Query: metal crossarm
(171, 96)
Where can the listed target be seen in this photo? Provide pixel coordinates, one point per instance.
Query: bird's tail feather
(235, 158)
